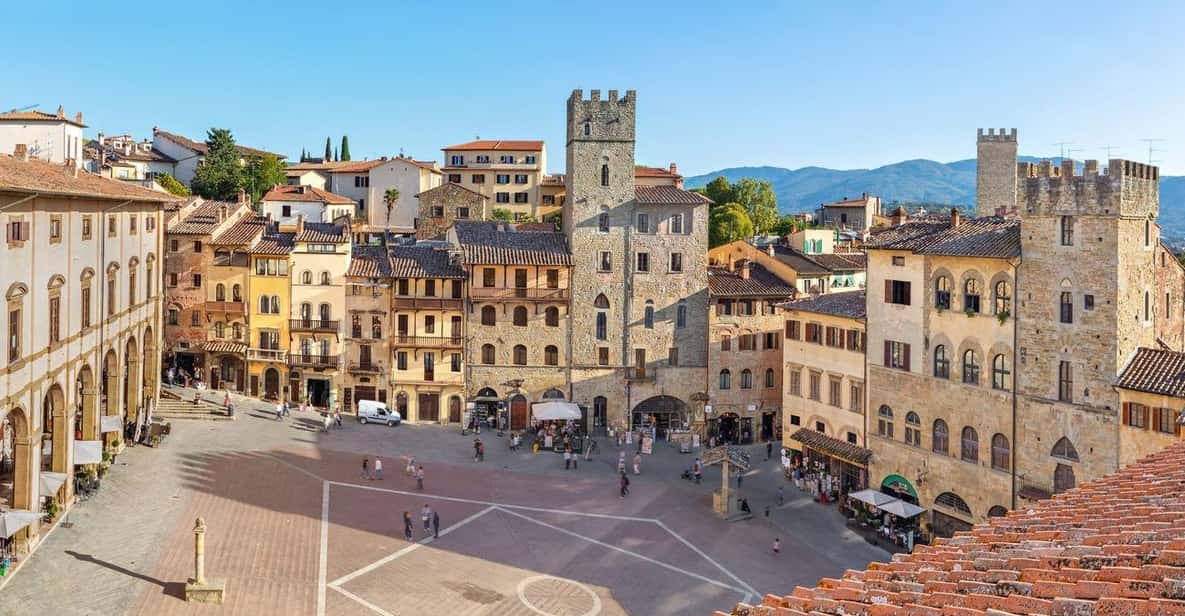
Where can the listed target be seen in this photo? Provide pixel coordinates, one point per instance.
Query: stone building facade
(319, 260)
(367, 334)
(440, 207)
(227, 305)
(639, 256)
(995, 172)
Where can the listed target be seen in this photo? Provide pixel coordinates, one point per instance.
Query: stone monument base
(213, 591)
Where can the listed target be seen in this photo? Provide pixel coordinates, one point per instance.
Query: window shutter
(888, 354)
(1176, 424)
(8, 233)
(906, 357)
(888, 291)
(1155, 419)
(907, 292)
(787, 330)
(1127, 413)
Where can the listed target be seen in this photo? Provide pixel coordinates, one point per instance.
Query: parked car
(371, 411)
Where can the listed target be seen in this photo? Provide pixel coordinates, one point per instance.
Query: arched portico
(666, 412)
(131, 380)
(88, 403)
(17, 464)
(151, 366)
(55, 436)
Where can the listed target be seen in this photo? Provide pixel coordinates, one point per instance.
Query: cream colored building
(319, 260)
(51, 137)
(1151, 401)
(823, 408)
(508, 173)
(366, 362)
(745, 352)
(287, 203)
(82, 322)
(228, 303)
(366, 182)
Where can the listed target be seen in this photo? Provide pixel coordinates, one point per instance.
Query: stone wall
(1170, 282)
(184, 296)
(446, 199)
(995, 171)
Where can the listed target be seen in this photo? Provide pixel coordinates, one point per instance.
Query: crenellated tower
(995, 172)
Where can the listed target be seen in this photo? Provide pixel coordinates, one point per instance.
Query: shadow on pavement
(172, 589)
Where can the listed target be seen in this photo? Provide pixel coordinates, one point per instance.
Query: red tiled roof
(495, 243)
(33, 115)
(1115, 546)
(358, 166)
(276, 244)
(850, 304)
(760, 283)
(46, 178)
(654, 172)
(242, 232)
(989, 236)
(289, 192)
(202, 220)
(322, 232)
(423, 261)
(497, 144)
(369, 262)
(668, 195)
(200, 146)
(1155, 371)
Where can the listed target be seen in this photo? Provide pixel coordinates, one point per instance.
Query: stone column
(724, 496)
(198, 589)
(90, 421)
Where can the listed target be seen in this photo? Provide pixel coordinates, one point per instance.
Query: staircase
(173, 408)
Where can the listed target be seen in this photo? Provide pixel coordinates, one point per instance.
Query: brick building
(444, 205)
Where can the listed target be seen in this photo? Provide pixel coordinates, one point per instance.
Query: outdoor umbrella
(872, 497)
(13, 520)
(50, 482)
(901, 509)
(555, 410)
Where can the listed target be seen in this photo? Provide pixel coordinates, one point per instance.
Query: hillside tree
(728, 222)
(719, 190)
(219, 176)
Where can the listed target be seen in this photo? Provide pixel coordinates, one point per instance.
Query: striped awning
(222, 346)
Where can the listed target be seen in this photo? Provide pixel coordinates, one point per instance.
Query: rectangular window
(55, 319)
(14, 334)
(172, 279)
(1067, 223)
(548, 199)
(1165, 420)
(676, 226)
(429, 324)
(55, 229)
(506, 159)
(1067, 307)
(856, 397)
(520, 197)
(457, 160)
(502, 197)
(676, 262)
(1065, 382)
(815, 381)
(1137, 415)
(86, 227)
(643, 262)
(602, 356)
(455, 362)
(530, 159)
(197, 281)
(897, 292)
(401, 360)
(673, 356)
(553, 279)
(834, 394)
(502, 178)
(478, 178)
(111, 228)
(1088, 302)
(462, 212)
(454, 178)
(793, 330)
(520, 178)
(643, 223)
(771, 340)
(605, 261)
(437, 211)
(285, 211)
(796, 382)
(195, 318)
(401, 286)
(896, 355)
(814, 333)
(132, 224)
(899, 261)
(429, 288)
(86, 307)
(489, 277)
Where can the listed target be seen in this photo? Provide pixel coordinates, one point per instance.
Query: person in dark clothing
(625, 484)
(769, 449)
(435, 525)
(745, 506)
(407, 525)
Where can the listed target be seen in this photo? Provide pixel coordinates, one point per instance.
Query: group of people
(430, 518)
(637, 462)
(813, 476)
(183, 377)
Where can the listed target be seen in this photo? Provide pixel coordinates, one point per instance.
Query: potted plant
(52, 509)
(1002, 316)
(969, 312)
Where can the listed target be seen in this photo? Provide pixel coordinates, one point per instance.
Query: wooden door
(454, 410)
(429, 407)
(520, 283)
(640, 361)
(518, 413)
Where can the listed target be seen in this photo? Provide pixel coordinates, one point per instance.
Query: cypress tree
(328, 152)
(345, 148)
(303, 155)
(335, 154)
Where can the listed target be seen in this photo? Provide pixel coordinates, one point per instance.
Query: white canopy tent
(15, 519)
(872, 497)
(901, 509)
(555, 409)
(48, 482)
(111, 423)
(88, 452)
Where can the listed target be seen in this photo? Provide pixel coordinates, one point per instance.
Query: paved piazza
(295, 530)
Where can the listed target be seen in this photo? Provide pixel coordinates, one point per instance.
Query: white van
(371, 411)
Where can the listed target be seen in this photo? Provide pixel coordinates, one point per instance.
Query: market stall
(557, 425)
(882, 517)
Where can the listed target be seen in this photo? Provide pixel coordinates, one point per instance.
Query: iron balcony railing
(313, 325)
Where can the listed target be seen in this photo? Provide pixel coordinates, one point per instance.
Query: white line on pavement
(625, 551)
(405, 550)
(323, 561)
(363, 602)
(706, 557)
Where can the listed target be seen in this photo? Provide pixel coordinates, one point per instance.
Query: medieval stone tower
(1086, 300)
(639, 278)
(995, 172)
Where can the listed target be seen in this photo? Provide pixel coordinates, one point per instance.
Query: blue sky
(832, 84)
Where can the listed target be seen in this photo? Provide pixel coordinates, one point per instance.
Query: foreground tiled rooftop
(50, 179)
(423, 261)
(293, 192)
(494, 243)
(667, 195)
(850, 304)
(760, 283)
(990, 236)
(1115, 546)
(1155, 371)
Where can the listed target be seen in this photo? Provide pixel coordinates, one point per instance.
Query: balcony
(314, 325)
(267, 355)
(505, 294)
(366, 367)
(427, 303)
(641, 375)
(320, 362)
(224, 307)
(402, 340)
(237, 259)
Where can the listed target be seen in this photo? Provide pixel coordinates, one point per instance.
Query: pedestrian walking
(226, 401)
(637, 464)
(287, 409)
(624, 483)
(411, 466)
(407, 525)
(777, 546)
(378, 469)
(420, 478)
(697, 469)
(365, 468)
(337, 417)
(481, 451)
(575, 461)
(781, 497)
(567, 460)
(426, 517)
(621, 462)
(435, 525)
(325, 422)
(769, 449)
(279, 411)
(476, 449)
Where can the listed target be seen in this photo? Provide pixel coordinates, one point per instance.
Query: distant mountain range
(910, 181)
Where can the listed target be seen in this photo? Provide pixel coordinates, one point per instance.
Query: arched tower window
(970, 450)
(884, 421)
(940, 438)
(604, 175)
(725, 379)
(648, 319)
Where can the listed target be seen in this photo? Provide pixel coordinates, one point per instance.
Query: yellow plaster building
(268, 291)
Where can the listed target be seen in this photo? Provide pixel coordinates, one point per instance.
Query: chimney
(674, 169)
(100, 138)
(61, 112)
(955, 219)
(21, 152)
(222, 213)
(299, 223)
(744, 269)
(242, 196)
(78, 118)
(155, 130)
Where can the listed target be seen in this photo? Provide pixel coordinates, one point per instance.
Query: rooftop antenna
(1152, 148)
(1109, 149)
(1062, 145)
(25, 108)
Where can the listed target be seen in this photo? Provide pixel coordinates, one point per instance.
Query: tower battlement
(601, 119)
(594, 96)
(1008, 136)
(1123, 188)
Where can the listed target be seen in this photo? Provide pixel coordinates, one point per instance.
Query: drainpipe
(1015, 370)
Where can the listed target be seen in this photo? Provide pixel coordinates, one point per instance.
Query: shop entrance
(728, 427)
(767, 426)
(454, 409)
(663, 412)
(518, 412)
(319, 392)
(271, 384)
(428, 407)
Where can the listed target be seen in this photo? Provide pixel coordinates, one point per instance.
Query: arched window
(725, 379)
(489, 316)
(551, 355)
(950, 500)
(600, 411)
(602, 326)
(236, 330)
(884, 421)
(997, 512)
(941, 363)
(236, 293)
(551, 316)
(324, 312)
(940, 440)
(1000, 372)
(970, 450)
(1000, 452)
(604, 175)
(487, 354)
(1003, 303)
(971, 293)
(681, 315)
(942, 293)
(1063, 478)
(603, 222)
(306, 277)
(325, 278)
(601, 302)
(306, 311)
(1066, 307)
(913, 429)
(970, 367)
(264, 304)
(769, 377)
(520, 355)
(587, 128)
(520, 316)
(220, 329)
(648, 318)
(220, 292)
(1064, 449)
(746, 379)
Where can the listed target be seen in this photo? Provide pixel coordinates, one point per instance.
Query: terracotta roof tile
(275, 244)
(840, 262)
(323, 233)
(369, 262)
(499, 243)
(654, 172)
(850, 304)
(39, 176)
(667, 195)
(761, 283)
(242, 232)
(990, 236)
(290, 192)
(203, 220)
(357, 166)
(200, 146)
(1155, 371)
(497, 144)
(33, 115)
(423, 261)
(800, 262)
(1061, 557)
